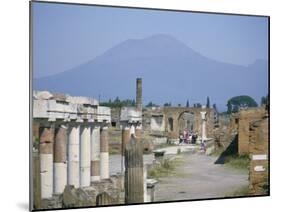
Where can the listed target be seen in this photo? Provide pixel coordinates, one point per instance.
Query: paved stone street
(198, 178)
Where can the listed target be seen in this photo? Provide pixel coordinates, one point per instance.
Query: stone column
(46, 160)
(125, 139)
(95, 154)
(85, 157)
(132, 129)
(60, 159)
(73, 156)
(139, 94)
(138, 132)
(104, 156)
(134, 190)
(203, 117)
(145, 199)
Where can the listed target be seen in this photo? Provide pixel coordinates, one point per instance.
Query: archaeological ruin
(72, 136)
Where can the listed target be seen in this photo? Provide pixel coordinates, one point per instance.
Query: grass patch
(238, 162)
(166, 168)
(242, 191)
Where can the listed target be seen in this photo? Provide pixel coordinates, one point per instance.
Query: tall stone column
(132, 129)
(95, 154)
(85, 157)
(74, 156)
(134, 187)
(138, 132)
(203, 117)
(139, 94)
(125, 139)
(46, 139)
(60, 159)
(104, 156)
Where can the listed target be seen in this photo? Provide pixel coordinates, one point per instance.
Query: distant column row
(75, 155)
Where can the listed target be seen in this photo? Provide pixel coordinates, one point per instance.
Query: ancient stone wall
(258, 149)
(244, 119)
(173, 114)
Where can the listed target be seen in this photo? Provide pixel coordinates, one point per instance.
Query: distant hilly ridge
(171, 72)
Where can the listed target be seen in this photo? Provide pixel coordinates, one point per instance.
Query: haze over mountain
(171, 72)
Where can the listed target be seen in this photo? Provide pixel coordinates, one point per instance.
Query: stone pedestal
(46, 160)
(60, 159)
(73, 156)
(85, 157)
(95, 154)
(134, 190)
(104, 156)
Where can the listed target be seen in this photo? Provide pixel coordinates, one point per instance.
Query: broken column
(95, 154)
(85, 157)
(46, 160)
(104, 156)
(73, 156)
(134, 192)
(60, 165)
(125, 139)
(203, 117)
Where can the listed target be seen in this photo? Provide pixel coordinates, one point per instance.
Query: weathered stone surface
(169, 120)
(244, 119)
(258, 149)
(76, 197)
(130, 115)
(139, 94)
(134, 172)
(55, 202)
(61, 106)
(104, 199)
(42, 95)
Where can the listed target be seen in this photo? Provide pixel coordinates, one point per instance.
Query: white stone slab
(259, 168)
(259, 157)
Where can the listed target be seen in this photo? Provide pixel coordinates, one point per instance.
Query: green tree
(167, 104)
(236, 103)
(208, 102)
(151, 104)
(215, 107)
(187, 103)
(264, 100)
(197, 105)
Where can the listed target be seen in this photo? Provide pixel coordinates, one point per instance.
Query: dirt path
(199, 178)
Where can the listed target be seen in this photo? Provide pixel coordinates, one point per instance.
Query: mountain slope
(171, 71)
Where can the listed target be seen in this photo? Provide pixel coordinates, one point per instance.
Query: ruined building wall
(258, 149)
(172, 114)
(245, 117)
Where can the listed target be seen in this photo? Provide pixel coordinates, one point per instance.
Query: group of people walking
(188, 137)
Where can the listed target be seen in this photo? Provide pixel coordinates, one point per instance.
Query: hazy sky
(68, 35)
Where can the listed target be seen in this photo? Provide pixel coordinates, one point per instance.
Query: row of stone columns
(77, 155)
